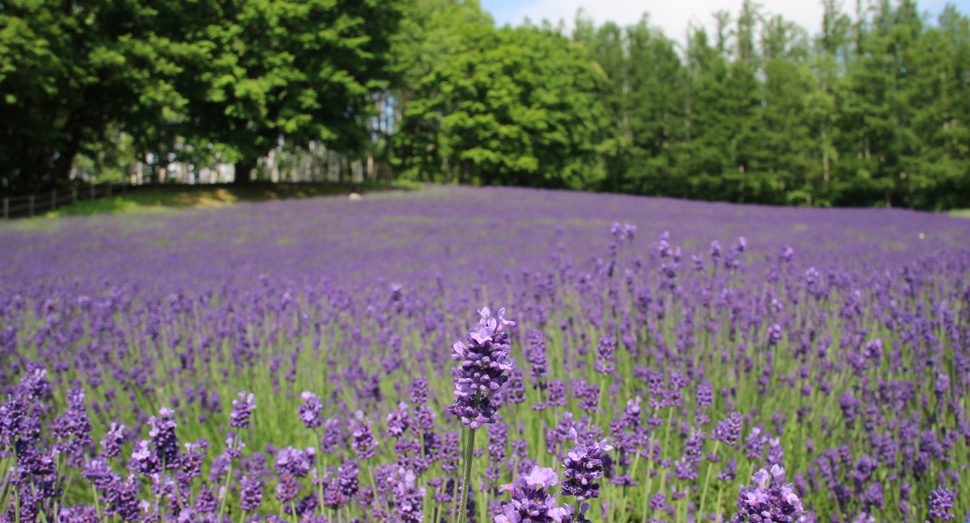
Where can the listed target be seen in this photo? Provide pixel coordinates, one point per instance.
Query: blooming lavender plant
(531, 501)
(846, 365)
(480, 375)
(584, 466)
(768, 499)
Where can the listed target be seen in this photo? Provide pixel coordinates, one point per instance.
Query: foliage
(872, 110)
(294, 69)
(70, 73)
(192, 80)
(507, 106)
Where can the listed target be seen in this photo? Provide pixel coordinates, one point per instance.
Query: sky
(673, 15)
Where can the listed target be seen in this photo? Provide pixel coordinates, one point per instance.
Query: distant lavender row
(323, 360)
(452, 232)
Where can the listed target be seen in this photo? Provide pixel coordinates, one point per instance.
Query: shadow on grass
(159, 198)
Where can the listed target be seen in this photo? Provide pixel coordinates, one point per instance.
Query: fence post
(30, 205)
(73, 194)
(53, 199)
(6, 209)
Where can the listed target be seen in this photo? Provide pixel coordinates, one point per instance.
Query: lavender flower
(728, 431)
(293, 462)
(112, 440)
(162, 434)
(763, 502)
(584, 465)
(242, 410)
(250, 494)
(310, 410)
(530, 499)
(484, 362)
(409, 497)
(363, 443)
(941, 502)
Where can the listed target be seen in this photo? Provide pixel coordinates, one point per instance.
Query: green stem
(225, 496)
(466, 474)
(646, 498)
(707, 480)
(373, 485)
(717, 506)
(97, 506)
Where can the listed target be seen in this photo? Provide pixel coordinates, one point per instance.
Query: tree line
(869, 110)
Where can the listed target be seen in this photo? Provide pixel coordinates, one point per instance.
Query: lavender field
(639, 360)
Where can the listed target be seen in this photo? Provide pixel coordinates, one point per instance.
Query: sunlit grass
(154, 199)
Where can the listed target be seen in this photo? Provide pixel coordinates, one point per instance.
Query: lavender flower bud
(481, 373)
(530, 500)
(941, 501)
(242, 410)
(584, 465)
(310, 410)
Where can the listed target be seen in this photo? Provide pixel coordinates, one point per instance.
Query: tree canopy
(869, 109)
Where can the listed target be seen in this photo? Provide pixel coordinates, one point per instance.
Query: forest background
(869, 109)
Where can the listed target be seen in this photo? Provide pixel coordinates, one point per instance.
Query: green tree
(512, 106)
(430, 31)
(656, 101)
(69, 75)
(286, 69)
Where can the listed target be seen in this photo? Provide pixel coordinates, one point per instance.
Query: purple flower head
(539, 478)
(35, 384)
(347, 479)
(363, 443)
(755, 443)
(631, 413)
(715, 252)
(409, 496)
(398, 420)
(162, 434)
(728, 430)
(768, 499)
(287, 489)
(788, 254)
(310, 410)
(250, 494)
(605, 356)
(538, 363)
(331, 437)
(484, 362)
(142, 459)
(941, 502)
(874, 350)
(774, 334)
(419, 391)
(629, 231)
(530, 500)
(72, 428)
(242, 410)
(616, 230)
(584, 465)
(294, 462)
(112, 440)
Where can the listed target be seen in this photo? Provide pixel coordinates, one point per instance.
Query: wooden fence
(33, 204)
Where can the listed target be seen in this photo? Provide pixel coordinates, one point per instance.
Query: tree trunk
(244, 171)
